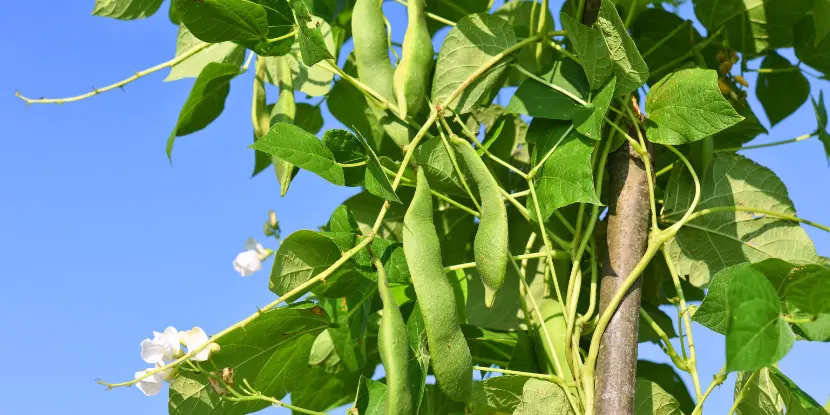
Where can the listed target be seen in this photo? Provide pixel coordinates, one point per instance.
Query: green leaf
(376, 180)
(302, 149)
(665, 376)
(518, 14)
(716, 241)
(453, 10)
(753, 26)
(342, 220)
(664, 48)
(489, 347)
(808, 289)
(126, 9)
(590, 125)
(433, 157)
(215, 21)
(205, 102)
(436, 403)
(821, 19)
(687, 106)
(539, 100)
(651, 399)
(323, 354)
(810, 50)
(606, 49)
(566, 177)
(714, 310)
(501, 394)
(303, 255)
(269, 352)
(366, 206)
(821, 117)
(782, 92)
(225, 52)
(347, 149)
(540, 397)
(756, 336)
(760, 397)
(312, 44)
(313, 80)
(371, 397)
(795, 400)
(350, 316)
(474, 41)
(309, 118)
(321, 391)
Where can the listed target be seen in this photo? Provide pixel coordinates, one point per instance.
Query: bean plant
(507, 259)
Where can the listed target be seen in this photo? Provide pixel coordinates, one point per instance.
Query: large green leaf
(757, 335)
(302, 149)
(489, 347)
(499, 395)
(270, 353)
(322, 391)
(303, 255)
(687, 106)
(809, 49)
(781, 92)
(126, 9)
(312, 44)
(453, 10)
(566, 177)
(753, 26)
(606, 49)
(760, 397)
(718, 240)
(205, 102)
(821, 18)
(473, 42)
(714, 310)
(742, 132)
(540, 397)
(808, 289)
(796, 400)
(518, 14)
(667, 378)
(434, 157)
(225, 52)
(348, 105)
(651, 399)
(371, 397)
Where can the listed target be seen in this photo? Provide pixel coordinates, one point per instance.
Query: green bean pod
(284, 110)
(393, 345)
(371, 47)
(490, 245)
(450, 355)
(413, 73)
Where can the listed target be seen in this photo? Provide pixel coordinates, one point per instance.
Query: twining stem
(646, 157)
(742, 394)
(719, 379)
(522, 257)
(432, 16)
(750, 209)
(139, 74)
(772, 144)
(687, 322)
(667, 346)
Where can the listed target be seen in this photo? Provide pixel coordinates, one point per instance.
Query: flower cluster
(165, 347)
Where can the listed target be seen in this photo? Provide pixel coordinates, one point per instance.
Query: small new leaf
(312, 44)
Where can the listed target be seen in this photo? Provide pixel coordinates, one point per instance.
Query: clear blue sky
(104, 241)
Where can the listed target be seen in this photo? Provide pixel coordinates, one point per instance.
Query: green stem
(666, 38)
(646, 157)
(283, 37)
(556, 88)
(671, 65)
(355, 164)
(550, 378)
(548, 248)
(778, 215)
(774, 143)
(556, 254)
(684, 316)
(454, 161)
(169, 64)
(667, 346)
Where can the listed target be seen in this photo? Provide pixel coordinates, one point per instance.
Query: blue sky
(104, 241)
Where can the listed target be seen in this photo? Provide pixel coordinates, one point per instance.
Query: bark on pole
(627, 237)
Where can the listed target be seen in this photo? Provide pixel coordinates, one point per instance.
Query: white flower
(150, 385)
(250, 261)
(195, 338)
(163, 346)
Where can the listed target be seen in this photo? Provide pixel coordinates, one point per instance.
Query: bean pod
(413, 73)
(393, 345)
(491, 241)
(450, 355)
